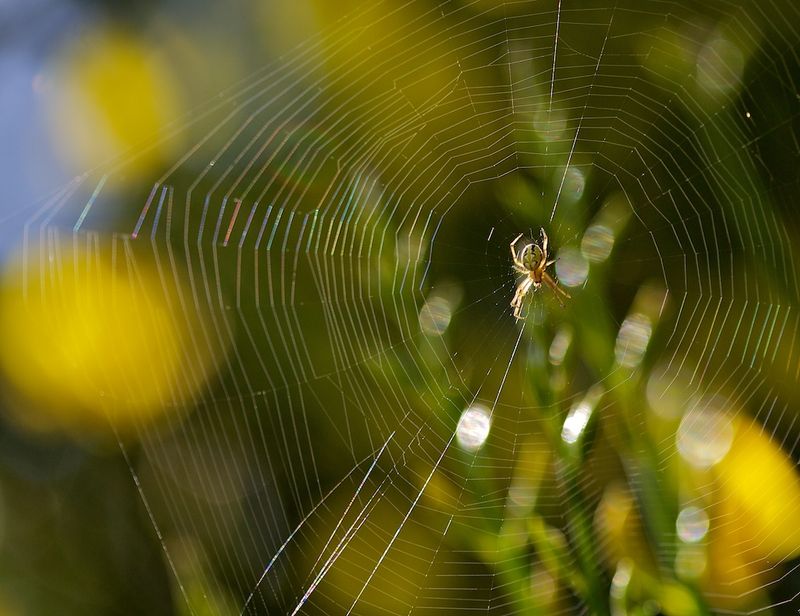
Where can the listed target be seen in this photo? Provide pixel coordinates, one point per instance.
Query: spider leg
(519, 296)
(544, 243)
(560, 293)
(528, 284)
(515, 303)
(513, 251)
(515, 299)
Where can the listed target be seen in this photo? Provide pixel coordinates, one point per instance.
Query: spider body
(531, 261)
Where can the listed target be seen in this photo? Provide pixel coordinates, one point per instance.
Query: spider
(532, 262)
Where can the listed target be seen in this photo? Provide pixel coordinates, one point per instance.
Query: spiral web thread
(308, 225)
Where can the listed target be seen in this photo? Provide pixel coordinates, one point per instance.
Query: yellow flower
(91, 346)
(758, 484)
(755, 518)
(111, 96)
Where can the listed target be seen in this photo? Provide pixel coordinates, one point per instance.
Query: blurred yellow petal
(675, 600)
(111, 93)
(758, 483)
(731, 577)
(88, 345)
(619, 525)
(754, 520)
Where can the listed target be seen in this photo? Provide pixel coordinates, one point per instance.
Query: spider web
(343, 227)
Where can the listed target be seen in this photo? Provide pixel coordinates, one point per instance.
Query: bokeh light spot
(434, 316)
(690, 562)
(574, 183)
(634, 335)
(559, 346)
(692, 524)
(571, 267)
(473, 427)
(597, 243)
(705, 435)
(576, 422)
(720, 64)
